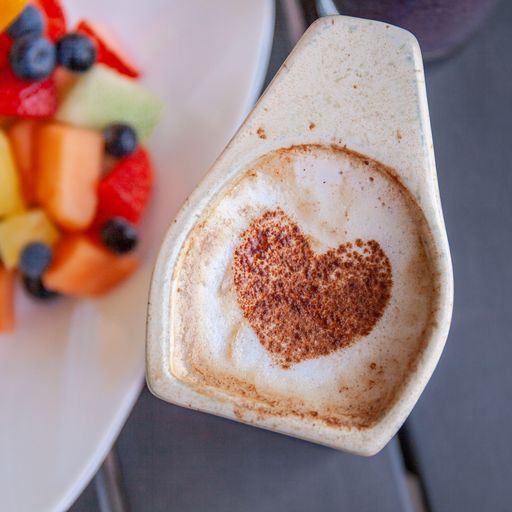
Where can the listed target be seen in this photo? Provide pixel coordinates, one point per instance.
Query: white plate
(72, 371)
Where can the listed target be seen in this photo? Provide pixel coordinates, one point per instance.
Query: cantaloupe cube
(7, 285)
(11, 200)
(19, 230)
(83, 268)
(68, 163)
(5, 122)
(64, 81)
(21, 135)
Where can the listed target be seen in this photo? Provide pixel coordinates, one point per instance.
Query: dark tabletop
(458, 440)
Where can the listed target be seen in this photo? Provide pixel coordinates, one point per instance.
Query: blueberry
(32, 57)
(120, 140)
(76, 52)
(30, 21)
(119, 235)
(37, 289)
(35, 259)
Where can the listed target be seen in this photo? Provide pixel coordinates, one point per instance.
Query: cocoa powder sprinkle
(302, 305)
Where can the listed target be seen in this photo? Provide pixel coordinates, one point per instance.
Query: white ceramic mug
(356, 83)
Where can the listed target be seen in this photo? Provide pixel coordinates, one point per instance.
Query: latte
(305, 289)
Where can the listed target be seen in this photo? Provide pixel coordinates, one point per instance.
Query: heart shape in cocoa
(302, 305)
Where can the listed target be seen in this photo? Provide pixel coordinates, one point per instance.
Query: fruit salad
(75, 175)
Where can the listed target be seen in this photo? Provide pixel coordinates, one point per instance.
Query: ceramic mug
(358, 84)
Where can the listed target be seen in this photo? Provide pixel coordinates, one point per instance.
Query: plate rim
(92, 464)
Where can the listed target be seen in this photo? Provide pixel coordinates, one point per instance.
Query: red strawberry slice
(108, 52)
(33, 100)
(124, 191)
(55, 18)
(5, 48)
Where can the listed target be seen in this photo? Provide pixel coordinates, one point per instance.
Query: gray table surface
(461, 429)
(458, 438)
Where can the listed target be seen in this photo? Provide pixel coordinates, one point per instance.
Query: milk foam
(335, 197)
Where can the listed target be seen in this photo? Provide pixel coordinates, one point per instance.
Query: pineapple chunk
(11, 200)
(19, 230)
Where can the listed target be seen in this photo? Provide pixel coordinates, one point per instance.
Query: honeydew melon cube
(103, 96)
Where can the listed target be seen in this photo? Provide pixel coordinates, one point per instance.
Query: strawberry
(33, 100)
(5, 48)
(125, 190)
(107, 51)
(55, 18)
(30, 99)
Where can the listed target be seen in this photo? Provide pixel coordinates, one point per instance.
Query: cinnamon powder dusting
(261, 133)
(302, 305)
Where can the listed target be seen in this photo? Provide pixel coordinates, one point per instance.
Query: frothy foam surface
(304, 289)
